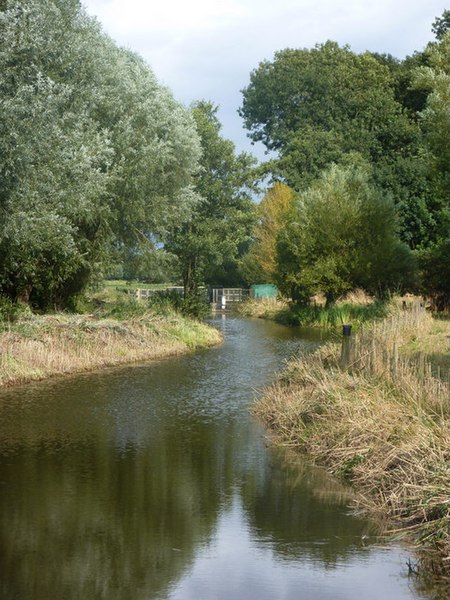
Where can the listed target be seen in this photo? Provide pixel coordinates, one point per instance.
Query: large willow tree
(95, 155)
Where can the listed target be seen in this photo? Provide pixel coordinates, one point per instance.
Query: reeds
(262, 308)
(40, 346)
(382, 422)
(332, 316)
(356, 308)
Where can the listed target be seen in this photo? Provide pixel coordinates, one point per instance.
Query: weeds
(40, 346)
(264, 308)
(357, 308)
(383, 423)
(333, 316)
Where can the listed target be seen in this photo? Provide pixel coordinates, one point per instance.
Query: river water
(154, 481)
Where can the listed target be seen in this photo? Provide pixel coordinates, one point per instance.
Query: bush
(10, 311)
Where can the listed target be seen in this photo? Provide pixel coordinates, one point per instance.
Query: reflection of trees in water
(120, 511)
(86, 523)
(109, 489)
(304, 513)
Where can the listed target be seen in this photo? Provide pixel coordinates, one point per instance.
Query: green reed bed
(332, 316)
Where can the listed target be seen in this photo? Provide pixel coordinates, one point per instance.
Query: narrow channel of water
(153, 481)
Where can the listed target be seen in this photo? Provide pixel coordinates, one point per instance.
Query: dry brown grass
(383, 423)
(38, 347)
(356, 297)
(263, 308)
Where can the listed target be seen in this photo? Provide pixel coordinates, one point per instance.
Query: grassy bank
(357, 309)
(383, 424)
(35, 347)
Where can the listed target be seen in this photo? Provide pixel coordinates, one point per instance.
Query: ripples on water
(153, 481)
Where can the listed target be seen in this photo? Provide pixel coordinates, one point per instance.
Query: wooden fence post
(346, 349)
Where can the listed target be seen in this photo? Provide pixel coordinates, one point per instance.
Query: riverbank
(382, 423)
(357, 308)
(36, 347)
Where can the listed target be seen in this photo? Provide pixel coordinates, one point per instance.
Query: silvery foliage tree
(94, 153)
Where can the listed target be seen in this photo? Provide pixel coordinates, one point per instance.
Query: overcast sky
(205, 49)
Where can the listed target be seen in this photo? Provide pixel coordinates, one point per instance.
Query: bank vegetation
(381, 421)
(38, 346)
(355, 307)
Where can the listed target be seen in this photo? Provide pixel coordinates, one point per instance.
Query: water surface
(153, 481)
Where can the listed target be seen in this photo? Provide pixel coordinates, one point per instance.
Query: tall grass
(41, 346)
(338, 314)
(262, 308)
(383, 423)
(356, 308)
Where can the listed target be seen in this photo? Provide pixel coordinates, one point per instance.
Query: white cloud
(207, 48)
(174, 16)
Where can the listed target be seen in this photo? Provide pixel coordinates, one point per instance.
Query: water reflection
(153, 482)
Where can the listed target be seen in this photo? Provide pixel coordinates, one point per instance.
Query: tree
(259, 264)
(434, 118)
(342, 235)
(435, 126)
(223, 215)
(88, 141)
(441, 25)
(314, 106)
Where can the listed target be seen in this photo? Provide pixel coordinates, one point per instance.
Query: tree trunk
(190, 279)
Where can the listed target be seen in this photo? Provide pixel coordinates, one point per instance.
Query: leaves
(208, 243)
(314, 106)
(342, 235)
(259, 264)
(88, 140)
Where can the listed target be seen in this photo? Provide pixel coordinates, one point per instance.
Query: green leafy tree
(435, 126)
(434, 118)
(342, 235)
(219, 226)
(314, 106)
(441, 25)
(324, 105)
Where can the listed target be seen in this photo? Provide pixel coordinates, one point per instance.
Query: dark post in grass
(346, 350)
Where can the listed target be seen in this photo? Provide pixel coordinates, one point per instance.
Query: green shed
(265, 290)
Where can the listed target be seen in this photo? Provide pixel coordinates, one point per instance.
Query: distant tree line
(362, 143)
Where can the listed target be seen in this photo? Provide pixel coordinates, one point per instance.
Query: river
(154, 482)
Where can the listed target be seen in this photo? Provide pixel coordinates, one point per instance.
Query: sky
(206, 49)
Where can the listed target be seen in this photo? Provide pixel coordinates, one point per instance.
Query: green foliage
(195, 305)
(435, 125)
(435, 266)
(434, 118)
(10, 311)
(166, 301)
(215, 233)
(320, 106)
(124, 308)
(314, 106)
(94, 154)
(333, 316)
(149, 264)
(259, 263)
(342, 235)
(441, 25)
